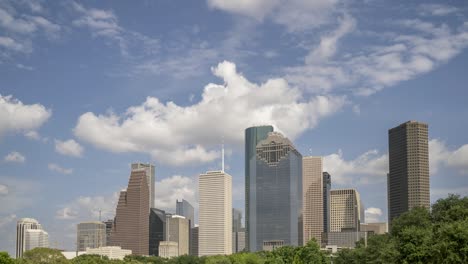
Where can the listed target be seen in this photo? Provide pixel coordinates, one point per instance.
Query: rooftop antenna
(222, 156)
(99, 215)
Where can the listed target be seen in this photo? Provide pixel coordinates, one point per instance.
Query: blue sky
(88, 87)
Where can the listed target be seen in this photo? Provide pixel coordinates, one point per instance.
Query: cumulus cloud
(178, 135)
(437, 9)
(3, 190)
(16, 116)
(373, 215)
(69, 147)
(168, 190)
(56, 168)
(89, 207)
(15, 157)
(442, 156)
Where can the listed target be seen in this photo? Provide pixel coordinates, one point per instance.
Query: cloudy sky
(87, 87)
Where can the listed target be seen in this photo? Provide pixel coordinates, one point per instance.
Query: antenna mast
(222, 158)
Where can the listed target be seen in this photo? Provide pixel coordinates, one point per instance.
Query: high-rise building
(326, 201)
(194, 241)
(253, 135)
(90, 235)
(185, 209)
(408, 179)
(27, 238)
(238, 232)
(345, 208)
(150, 178)
(377, 228)
(236, 220)
(177, 230)
(109, 226)
(215, 217)
(157, 230)
(312, 191)
(275, 193)
(131, 227)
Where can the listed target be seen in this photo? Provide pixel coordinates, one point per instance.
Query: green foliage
(90, 259)
(5, 258)
(44, 256)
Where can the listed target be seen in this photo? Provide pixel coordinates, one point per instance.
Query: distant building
(274, 190)
(377, 228)
(408, 180)
(238, 241)
(157, 230)
(194, 241)
(109, 226)
(253, 135)
(112, 252)
(345, 210)
(270, 245)
(236, 220)
(90, 235)
(177, 230)
(326, 201)
(215, 217)
(72, 254)
(168, 249)
(150, 178)
(29, 235)
(312, 192)
(184, 208)
(131, 226)
(346, 239)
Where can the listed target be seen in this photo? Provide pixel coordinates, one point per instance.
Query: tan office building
(29, 235)
(90, 235)
(131, 228)
(312, 204)
(177, 230)
(408, 179)
(345, 210)
(215, 215)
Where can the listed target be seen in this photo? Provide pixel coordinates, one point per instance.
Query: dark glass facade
(157, 224)
(326, 201)
(253, 135)
(276, 204)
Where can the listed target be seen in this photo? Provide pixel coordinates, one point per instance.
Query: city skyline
(96, 87)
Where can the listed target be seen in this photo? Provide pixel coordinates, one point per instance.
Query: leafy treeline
(418, 236)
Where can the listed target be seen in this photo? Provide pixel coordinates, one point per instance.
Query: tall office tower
(408, 179)
(236, 220)
(215, 216)
(194, 241)
(177, 230)
(34, 238)
(238, 233)
(131, 227)
(22, 226)
(90, 235)
(157, 230)
(150, 178)
(109, 226)
(326, 201)
(184, 208)
(253, 135)
(345, 208)
(275, 190)
(312, 191)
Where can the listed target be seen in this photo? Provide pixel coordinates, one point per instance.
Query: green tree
(5, 258)
(381, 249)
(450, 243)
(417, 217)
(310, 254)
(90, 259)
(44, 256)
(452, 208)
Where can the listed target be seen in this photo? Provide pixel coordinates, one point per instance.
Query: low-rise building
(168, 249)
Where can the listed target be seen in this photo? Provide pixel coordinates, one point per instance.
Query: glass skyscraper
(184, 208)
(275, 193)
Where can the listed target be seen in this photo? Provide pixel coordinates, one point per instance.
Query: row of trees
(418, 236)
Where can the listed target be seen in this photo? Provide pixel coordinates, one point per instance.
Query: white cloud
(3, 190)
(16, 116)
(59, 169)
(373, 215)
(13, 45)
(69, 148)
(15, 157)
(179, 135)
(89, 207)
(440, 155)
(369, 167)
(252, 8)
(437, 9)
(32, 135)
(7, 219)
(168, 190)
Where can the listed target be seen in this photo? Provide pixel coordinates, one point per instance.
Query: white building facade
(29, 235)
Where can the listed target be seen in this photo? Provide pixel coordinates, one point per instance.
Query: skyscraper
(150, 178)
(29, 234)
(131, 228)
(215, 217)
(274, 188)
(312, 191)
(236, 220)
(408, 179)
(177, 230)
(238, 232)
(184, 208)
(157, 230)
(90, 235)
(345, 210)
(253, 135)
(109, 226)
(194, 241)
(326, 201)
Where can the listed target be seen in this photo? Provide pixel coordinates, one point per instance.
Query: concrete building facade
(345, 210)
(312, 193)
(177, 230)
(27, 239)
(215, 216)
